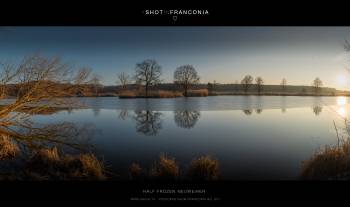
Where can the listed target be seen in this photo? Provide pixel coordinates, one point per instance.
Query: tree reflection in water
(123, 114)
(186, 119)
(247, 111)
(40, 85)
(317, 110)
(148, 122)
(258, 111)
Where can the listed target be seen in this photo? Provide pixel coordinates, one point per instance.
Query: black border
(112, 13)
(106, 193)
(232, 193)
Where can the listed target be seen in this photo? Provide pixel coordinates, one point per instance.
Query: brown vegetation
(186, 76)
(49, 164)
(8, 149)
(162, 94)
(330, 163)
(197, 93)
(166, 168)
(151, 94)
(204, 168)
(43, 111)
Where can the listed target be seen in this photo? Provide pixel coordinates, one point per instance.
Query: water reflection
(123, 114)
(258, 111)
(342, 112)
(283, 104)
(148, 122)
(186, 119)
(317, 110)
(96, 106)
(341, 100)
(259, 104)
(248, 112)
(164, 118)
(246, 102)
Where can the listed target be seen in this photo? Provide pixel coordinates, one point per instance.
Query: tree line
(148, 73)
(248, 81)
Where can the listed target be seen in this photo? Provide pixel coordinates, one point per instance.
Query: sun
(342, 80)
(342, 112)
(341, 100)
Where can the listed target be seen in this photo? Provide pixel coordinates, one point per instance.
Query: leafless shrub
(204, 168)
(165, 169)
(8, 149)
(49, 164)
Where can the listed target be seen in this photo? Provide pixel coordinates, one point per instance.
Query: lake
(252, 137)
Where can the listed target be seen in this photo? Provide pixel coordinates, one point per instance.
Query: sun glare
(342, 112)
(341, 100)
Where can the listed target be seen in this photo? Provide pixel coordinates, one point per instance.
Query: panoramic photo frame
(179, 104)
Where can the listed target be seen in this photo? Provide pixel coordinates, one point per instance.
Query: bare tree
(148, 73)
(317, 84)
(186, 76)
(36, 79)
(259, 84)
(123, 79)
(246, 82)
(283, 84)
(96, 83)
(34, 85)
(210, 86)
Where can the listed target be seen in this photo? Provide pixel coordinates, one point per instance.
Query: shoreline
(306, 95)
(223, 94)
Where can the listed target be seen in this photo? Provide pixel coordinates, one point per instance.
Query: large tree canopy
(186, 76)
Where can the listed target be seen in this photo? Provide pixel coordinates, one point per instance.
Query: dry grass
(165, 169)
(48, 164)
(330, 163)
(8, 149)
(204, 168)
(151, 94)
(162, 94)
(128, 94)
(197, 93)
(91, 167)
(46, 156)
(168, 94)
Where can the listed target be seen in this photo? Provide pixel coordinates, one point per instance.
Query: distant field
(237, 89)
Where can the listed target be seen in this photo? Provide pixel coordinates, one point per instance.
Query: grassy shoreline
(162, 94)
(204, 92)
(270, 94)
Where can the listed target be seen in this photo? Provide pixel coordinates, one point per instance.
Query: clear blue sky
(224, 54)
